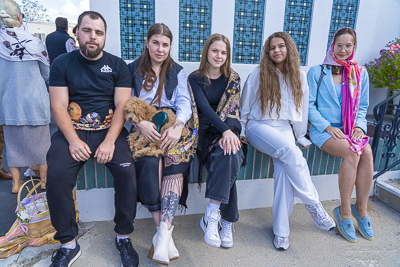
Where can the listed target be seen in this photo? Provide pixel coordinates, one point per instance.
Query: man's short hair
(61, 23)
(92, 15)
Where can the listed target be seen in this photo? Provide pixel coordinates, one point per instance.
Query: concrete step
(388, 191)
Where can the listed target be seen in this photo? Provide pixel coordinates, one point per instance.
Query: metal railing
(387, 128)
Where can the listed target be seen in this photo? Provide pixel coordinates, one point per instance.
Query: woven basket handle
(30, 191)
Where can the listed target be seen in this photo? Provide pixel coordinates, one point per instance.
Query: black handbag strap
(319, 83)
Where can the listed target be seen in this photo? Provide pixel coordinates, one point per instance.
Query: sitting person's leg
(347, 172)
(354, 170)
(364, 178)
(171, 190)
(61, 180)
(122, 167)
(278, 142)
(223, 171)
(148, 184)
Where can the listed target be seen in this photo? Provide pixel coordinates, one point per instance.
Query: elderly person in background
(24, 100)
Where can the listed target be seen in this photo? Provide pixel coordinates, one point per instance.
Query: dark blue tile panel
(136, 17)
(344, 14)
(248, 31)
(298, 16)
(194, 28)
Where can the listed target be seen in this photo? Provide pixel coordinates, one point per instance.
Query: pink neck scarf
(351, 88)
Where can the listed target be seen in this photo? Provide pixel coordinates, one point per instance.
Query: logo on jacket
(106, 69)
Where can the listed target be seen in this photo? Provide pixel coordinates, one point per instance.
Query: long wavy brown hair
(269, 91)
(204, 64)
(145, 68)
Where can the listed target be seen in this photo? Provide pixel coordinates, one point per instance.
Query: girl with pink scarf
(337, 110)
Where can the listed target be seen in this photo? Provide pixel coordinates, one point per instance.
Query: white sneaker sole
(75, 258)
(226, 244)
(208, 241)
(280, 248)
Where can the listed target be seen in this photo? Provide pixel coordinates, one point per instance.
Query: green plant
(384, 71)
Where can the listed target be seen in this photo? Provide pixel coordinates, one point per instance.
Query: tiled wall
(194, 28)
(248, 31)
(136, 17)
(195, 25)
(298, 15)
(344, 14)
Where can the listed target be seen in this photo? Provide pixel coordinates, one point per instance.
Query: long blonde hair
(269, 91)
(12, 11)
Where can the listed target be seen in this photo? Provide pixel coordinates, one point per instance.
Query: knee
(353, 159)
(366, 156)
(288, 152)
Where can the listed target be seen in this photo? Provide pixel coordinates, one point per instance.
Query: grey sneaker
(226, 234)
(281, 243)
(321, 217)
(210, 224)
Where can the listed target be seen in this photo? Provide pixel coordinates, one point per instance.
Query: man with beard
(88, 90)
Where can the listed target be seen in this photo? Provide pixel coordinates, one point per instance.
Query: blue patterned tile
(194, 28)
(298, 15)
(248, 31)
(344, 14)
(136, 18)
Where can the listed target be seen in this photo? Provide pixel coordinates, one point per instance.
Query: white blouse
(180, 100)
(251, 110)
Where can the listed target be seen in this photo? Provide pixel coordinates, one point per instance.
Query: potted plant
(384, 71)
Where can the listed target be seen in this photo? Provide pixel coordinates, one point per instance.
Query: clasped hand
(229, 142)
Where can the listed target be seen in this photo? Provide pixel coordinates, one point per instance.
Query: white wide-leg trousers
(291, 173)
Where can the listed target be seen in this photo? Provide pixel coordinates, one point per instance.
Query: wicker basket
(40, 227)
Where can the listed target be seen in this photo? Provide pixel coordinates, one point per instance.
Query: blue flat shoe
(364, 225)
(346, 228)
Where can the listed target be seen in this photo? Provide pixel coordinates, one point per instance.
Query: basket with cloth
(32, 226)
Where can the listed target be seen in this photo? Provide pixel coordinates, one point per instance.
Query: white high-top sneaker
(226, 234)
(210, 223)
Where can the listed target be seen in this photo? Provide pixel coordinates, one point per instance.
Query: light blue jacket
(329, 108)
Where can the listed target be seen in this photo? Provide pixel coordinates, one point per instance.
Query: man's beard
(90, 53)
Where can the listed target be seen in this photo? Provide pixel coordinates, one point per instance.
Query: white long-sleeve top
(251, 110)
(180, 100)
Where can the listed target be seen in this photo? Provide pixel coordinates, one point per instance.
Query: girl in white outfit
(274, 116)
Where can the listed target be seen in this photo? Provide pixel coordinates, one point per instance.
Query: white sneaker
(226, 234)
(321, 217)
(210, 223)
(281, 243)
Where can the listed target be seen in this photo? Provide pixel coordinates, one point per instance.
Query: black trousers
(223, 171)
(61, 179)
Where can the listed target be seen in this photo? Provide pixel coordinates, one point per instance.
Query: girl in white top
(275, 99)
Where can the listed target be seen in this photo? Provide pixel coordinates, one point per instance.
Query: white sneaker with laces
(210, 224)
(321, 217)
(226, 234)
(281, 243)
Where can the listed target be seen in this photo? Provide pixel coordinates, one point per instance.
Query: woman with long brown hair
(161, 82)
(338, 126)
(216, 88)
(274, 117)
